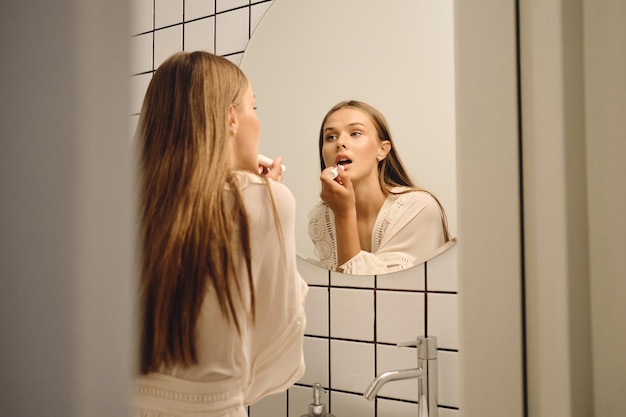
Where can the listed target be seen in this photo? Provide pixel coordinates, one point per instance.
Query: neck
(369, 199)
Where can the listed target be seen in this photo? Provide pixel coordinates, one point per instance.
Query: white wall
(605, 127)
(574, 100)
(66, 210)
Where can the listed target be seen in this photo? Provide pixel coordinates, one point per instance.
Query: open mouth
(344, 161)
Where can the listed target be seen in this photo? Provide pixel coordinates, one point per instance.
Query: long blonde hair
(391, 171)
(187, 222)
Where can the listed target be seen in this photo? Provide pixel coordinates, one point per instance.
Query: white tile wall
(141, 16)
(222, 5)
(167, 12)
(232, 29)
(343, 404)
(256, 13)
(138, 87)
(270, 406)
(443, 271)
(317, 311)
(443, 319)
(200, 35)
(391, 358)
(388, 408)
(409, 279)
(195, 9)
(141, 53)
(167, 42)
(352, 365)
(372, 313)
(316, 353)
(352, 314)
(399, 316)
(312, 274)
(357, 281)
(448, 370)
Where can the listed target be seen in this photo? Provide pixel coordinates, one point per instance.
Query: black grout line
(153, 28)
(521, 193)
(426, 299)
(329, 343)
(214, 26)
(375, 339)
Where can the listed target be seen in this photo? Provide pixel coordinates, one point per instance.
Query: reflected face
(350, 139)
(246, 140)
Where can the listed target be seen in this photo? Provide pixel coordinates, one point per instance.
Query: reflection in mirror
(398, 59)
(372, 218)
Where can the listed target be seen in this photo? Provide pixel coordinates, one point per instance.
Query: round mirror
(307, 55)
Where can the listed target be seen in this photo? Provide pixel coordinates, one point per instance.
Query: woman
(221, 301)
(372, 218)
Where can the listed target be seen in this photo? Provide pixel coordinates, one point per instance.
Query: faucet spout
(389, 376)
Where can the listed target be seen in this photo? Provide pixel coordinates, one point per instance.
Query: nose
(341, 142)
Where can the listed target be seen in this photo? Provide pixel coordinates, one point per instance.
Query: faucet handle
(426, 346)
(411, 343)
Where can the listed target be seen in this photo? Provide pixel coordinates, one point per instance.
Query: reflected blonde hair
(187, 219)
(391, 171)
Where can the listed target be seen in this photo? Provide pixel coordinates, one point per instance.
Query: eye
(356, 133)
(330, 138)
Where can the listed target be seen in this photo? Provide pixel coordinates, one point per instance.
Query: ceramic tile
(316, 360)
(352, 364)
(443, 271)
(167, 12)
(352, 314)
(357, 281)
(166, 43)
(391, 358)
(273, 405)
(342, 404)
(443, 320)
(256, 14)
(390, 408)
(312, 274)
(447, 412)
(222, 5)
(299, 399)
(199, 35)
(141, 53)
(409, 279)
(448, 378)
(141, 13)
(232, 31)
(235, 58)
(195, 9)
(399, 316)
(138, 87)
(316, 308)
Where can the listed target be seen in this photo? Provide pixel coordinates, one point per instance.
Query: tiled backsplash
(354, 322)
(353, 326)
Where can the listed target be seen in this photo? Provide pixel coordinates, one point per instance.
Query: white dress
(408, 231)
(235, 370)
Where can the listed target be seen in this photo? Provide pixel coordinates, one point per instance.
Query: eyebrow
(350, 124)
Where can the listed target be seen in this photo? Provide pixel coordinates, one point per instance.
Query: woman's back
(266, 356)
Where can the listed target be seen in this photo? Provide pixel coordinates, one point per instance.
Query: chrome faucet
(426, 373)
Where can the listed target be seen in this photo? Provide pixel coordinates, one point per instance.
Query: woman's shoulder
(255, 184)
(408, 195)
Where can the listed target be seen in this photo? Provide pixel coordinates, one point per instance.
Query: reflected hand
(337, 193)
(275, 172)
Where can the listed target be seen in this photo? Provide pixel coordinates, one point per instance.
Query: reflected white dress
(234, 370)
(408, 231)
